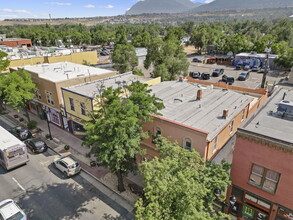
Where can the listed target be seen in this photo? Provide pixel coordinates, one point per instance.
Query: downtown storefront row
(253, 207)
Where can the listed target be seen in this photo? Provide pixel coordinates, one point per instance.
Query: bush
(138, 72)
(66, 147)
(32, 124)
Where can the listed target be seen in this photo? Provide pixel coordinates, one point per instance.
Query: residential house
(80, 100)
(262, 171)
(50, 78)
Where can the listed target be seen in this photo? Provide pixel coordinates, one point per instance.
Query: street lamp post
(48, 122)
(232, 200)
(264, 77)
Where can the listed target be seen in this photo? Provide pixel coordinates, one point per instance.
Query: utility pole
(264, 77)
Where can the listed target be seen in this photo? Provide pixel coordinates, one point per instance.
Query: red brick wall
(248, 152)
(16, 43)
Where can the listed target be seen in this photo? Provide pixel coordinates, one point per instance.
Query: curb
(85, 171)
(97, 179)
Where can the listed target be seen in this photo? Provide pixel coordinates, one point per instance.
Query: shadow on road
(68, 201)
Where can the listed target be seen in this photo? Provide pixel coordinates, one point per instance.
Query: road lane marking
(20, 186)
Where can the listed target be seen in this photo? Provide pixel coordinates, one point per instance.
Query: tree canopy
(17, 89)
(114, 134)
(180, 185)
(124, 58)
(167, 57)
(4, 63)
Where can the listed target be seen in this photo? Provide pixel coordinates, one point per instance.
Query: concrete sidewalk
(62, 138)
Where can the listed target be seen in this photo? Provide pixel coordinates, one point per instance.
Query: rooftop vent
(199, 94)
(285, 107)
(225, 113)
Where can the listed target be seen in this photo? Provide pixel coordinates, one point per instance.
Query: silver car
(9, 210)
(67, 165)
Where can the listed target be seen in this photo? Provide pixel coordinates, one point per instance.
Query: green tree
(180, 185)
(167, 57)
(124, 58)
(114, 134)
(285, 60)
(4, 62)
(141, 40)
(18, 89)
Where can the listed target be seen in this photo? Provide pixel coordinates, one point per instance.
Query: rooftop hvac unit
(285, 107)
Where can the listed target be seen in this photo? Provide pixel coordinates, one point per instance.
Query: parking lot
(253, 82)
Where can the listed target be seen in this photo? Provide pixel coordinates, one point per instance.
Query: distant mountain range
(161, 6)
(221, 5)
(186, 6)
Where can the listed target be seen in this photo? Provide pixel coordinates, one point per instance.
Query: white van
(13, 152)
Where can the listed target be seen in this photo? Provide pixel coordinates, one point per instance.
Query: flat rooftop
(57, 72)
(12, 39)
(182, 107)
(91, 89)
(260, 55)
(268, 122)
(7, 139)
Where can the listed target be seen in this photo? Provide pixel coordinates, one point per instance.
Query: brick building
(201, 118)
(16, 42)
(262, 171)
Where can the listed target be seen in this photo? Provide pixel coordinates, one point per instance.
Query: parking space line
(20, 186)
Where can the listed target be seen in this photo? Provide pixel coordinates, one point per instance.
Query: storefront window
(77, 127)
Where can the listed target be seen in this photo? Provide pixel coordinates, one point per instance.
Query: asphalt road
(44, 194)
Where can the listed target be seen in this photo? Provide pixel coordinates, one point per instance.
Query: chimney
(225, 113)
(199, 94)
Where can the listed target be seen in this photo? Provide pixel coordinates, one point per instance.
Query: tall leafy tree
(124, 57)
(114, 134)
(180, 185)
(4, 62)
(18, 89)
(167, 57)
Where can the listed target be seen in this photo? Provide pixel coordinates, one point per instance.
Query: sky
(65, 8)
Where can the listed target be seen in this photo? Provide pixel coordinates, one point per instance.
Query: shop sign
(248, 212)
(253, 214)
(285, 214)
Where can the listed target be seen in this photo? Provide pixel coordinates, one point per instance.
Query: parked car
(243, 76)
(218, 72)
(195, 75)
(67, 165)
(196, 60)
(9, 210)
(246, 67)
(104, 53)
(205, 76)
(255, 69)
(238, 67)
(21, 133)
(228, 79)
(36, 145)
